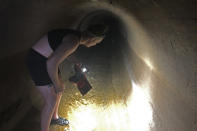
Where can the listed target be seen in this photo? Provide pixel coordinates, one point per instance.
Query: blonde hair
(97, 30)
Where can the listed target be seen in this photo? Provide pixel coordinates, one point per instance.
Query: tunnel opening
(111, 97)
(105, 60)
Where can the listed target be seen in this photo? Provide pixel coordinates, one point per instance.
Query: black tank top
(55, 36)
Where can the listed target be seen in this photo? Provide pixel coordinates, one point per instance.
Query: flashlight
(79, 78)
(84, 69)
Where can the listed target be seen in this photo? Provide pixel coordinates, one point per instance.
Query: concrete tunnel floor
(140, 83)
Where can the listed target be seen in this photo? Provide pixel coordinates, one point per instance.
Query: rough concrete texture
(157, 49)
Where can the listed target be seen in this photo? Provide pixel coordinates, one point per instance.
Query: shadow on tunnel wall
(14, 95)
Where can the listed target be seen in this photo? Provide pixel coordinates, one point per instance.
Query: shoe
(60, 121)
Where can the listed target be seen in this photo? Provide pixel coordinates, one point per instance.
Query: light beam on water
(136, 115)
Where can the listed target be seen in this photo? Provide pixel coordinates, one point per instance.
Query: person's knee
(59, 94)
(51, 102)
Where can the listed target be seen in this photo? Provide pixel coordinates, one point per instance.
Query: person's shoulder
(71, 38)
(72, 33)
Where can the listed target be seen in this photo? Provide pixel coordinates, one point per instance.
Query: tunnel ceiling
(33, 12)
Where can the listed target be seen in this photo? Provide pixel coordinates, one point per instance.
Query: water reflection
(135, 115)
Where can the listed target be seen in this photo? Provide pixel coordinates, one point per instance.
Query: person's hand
(74, 84)
(59, 90)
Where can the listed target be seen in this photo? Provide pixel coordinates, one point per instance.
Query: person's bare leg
(45, 118)
(55, 114)
(50, 98)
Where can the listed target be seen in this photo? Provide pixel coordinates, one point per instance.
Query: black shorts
(36, 64)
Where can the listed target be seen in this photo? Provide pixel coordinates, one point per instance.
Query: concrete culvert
(143, 74)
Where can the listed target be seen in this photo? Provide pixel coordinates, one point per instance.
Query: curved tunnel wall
(155, 53)
(161, 48)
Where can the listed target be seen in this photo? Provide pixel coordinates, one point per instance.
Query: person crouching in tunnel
(44, 58)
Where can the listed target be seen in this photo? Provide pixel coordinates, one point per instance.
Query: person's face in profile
(93, 41)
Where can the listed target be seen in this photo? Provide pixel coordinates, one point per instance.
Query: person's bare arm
(68, 46)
